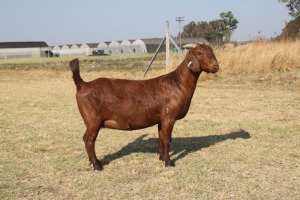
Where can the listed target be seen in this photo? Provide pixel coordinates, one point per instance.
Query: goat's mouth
(214, 69)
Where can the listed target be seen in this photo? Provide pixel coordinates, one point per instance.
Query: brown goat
(136, 104)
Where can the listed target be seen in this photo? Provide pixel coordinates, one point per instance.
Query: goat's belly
(128, 124)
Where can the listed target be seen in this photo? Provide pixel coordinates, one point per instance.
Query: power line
(179, 20)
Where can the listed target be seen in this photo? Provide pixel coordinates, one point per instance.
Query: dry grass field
(240, 139)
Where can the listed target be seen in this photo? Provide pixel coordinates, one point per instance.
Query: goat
(137, 104)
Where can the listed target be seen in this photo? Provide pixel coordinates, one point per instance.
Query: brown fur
(136, 104)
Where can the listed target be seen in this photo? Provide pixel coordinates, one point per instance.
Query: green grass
(89, 63)
(240, 140)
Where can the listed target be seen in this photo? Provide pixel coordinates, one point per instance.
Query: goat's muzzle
(214, 69)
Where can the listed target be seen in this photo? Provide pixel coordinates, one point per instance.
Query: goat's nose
(216, 67)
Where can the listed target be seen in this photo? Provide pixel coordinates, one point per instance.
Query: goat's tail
(74, 66)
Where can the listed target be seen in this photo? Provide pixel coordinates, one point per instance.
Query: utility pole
(167, 45)
(179, 20)
(166, 39)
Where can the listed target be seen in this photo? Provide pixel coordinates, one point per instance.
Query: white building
(139, 46)
(102, 46)
(24, 49)
(114, 47)
(41, 49)
(125, 47)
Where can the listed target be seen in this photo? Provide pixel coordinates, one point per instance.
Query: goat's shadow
(181, 146)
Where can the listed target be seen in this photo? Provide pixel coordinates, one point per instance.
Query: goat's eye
(200, 54)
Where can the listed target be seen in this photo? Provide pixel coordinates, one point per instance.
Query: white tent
(85, 50)
(103, 47)
(64, 51)
(126, 47)
(114, 47)
(56, 50)
(139, 46)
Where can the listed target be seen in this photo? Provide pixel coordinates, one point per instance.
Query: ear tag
(190, 63)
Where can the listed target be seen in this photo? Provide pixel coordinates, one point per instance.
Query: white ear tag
(190, 63)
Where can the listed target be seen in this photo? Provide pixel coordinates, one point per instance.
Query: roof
(92, 45)
(152, 40)
(6, 45)
(177, 40)
(192, 40)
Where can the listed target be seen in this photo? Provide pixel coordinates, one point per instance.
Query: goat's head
(202, 58)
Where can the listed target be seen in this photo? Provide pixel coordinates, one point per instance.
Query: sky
(59, 22)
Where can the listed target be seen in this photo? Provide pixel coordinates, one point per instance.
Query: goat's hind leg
(89, 139)
(85, 144)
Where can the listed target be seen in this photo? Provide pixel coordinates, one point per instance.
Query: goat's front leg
(89, 139)
(160, 150)
(165, 135)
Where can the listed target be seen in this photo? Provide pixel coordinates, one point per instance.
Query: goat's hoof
(170, 164)
(161, 158)
(98, 166)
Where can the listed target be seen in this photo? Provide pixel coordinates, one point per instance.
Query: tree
(215, 31)
(228, 24)
(189, 30)
(293, 6)
(291, 30)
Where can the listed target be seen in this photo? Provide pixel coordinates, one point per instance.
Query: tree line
(216, 31)
(219, 31)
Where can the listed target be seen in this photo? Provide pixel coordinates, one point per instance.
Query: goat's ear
(193, 62)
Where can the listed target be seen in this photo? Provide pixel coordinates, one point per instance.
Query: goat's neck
(186, 78)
